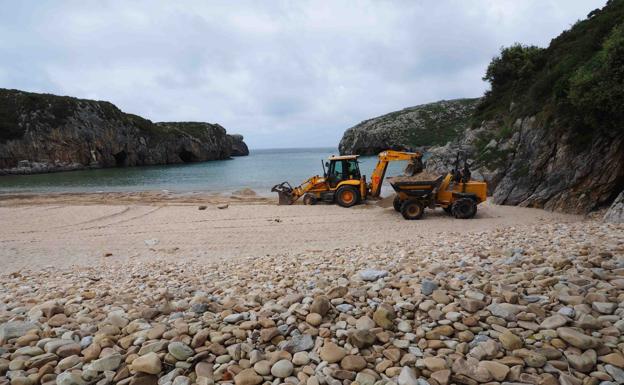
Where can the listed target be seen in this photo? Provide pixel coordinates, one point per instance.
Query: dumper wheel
(347, 196)
(309, 199)
(412, 209)
(396, 203)
(464, 208)
(448, 209)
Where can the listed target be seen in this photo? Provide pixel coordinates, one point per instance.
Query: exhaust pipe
(284, 192)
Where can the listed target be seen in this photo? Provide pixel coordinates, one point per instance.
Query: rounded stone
(510, 341)
(247, 377)
(301, 358)
(262, 367)
(314, 319)
(353, 363)
(180, 350)
(149, 363)
(282, 369)
(331, 353)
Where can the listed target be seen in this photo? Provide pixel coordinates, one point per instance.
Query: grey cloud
(281, 73)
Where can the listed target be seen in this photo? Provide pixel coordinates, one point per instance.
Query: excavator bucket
(415, 166)
(285, 193)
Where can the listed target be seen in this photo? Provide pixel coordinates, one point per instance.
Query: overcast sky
(282, 73)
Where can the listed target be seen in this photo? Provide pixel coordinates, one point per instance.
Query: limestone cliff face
(46, 133)
(239, 148)
(536, 166)
(411, 128)
(551, 130)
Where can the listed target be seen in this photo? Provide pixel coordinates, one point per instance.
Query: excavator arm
(414, 167)
(289, 195)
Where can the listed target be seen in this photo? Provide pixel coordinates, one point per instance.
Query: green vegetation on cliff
(53, 111)
(411, 128)
(577, 81)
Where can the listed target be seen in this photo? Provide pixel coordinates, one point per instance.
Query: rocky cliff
(411, 128)
(46, 133)
(550, 133)
(239, 147)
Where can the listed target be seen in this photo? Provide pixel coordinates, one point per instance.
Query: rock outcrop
(239, 147)
(539, 167)
(47, 133)
(615, 214)
(409, 129)
(552, 131)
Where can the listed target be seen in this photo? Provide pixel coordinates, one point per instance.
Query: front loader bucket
(285, 193)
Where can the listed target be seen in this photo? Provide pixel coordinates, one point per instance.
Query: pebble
(439, 312)
(427, 287)
(331, 353)
(301, 358)
(577, 338)
(247, 377)
(384, 316)
(149, 363)
(407, 376)
(353, 363)
(553, 322)
(372, 274)
(180, 350)
(510, 341)
(314, 319)
(282, 369)
(111, 362)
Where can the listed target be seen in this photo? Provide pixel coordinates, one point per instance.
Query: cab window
(354, 170)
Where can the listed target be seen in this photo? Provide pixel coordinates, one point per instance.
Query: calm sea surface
(259, 171)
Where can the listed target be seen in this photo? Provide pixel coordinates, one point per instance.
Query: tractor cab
(341, 168)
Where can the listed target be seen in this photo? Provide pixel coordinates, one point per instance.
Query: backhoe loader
(342, 181)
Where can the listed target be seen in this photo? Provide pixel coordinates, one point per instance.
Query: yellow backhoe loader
(342, 181)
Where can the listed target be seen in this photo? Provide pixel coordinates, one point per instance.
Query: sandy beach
(89, 229)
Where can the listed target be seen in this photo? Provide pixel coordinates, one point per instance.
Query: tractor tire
(309, 199)
(464, 208)
(448, 209)
(347, 196)
(412, 209)
(396, 203)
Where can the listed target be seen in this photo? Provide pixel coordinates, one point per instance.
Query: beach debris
(202, 207)
(222, 206)
(151, 242)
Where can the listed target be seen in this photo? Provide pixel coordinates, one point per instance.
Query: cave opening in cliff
(187, 156)
(120, 158)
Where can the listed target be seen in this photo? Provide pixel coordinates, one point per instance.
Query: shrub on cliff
(578, 80)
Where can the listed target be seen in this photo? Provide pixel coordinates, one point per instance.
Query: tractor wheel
(448, 209)
(412, 209)
(396, 203)
(464, 208)
(309, 199)
(347, 196)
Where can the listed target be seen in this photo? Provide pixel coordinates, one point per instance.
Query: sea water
(259, 171)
